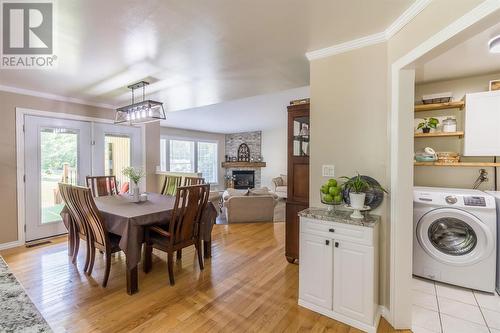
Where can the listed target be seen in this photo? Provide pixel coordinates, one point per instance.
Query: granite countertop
(340, 216)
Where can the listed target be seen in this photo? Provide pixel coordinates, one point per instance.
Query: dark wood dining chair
(183, 228)
(102, 185)
(76, 229)
(170, 185)
(188, 181)
(86, 213)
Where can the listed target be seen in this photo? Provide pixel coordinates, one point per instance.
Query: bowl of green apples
(331, 194)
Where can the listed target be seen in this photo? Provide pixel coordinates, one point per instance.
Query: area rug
(17, 312)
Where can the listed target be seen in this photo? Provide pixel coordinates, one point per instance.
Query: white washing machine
(454, 239)
(496, 194)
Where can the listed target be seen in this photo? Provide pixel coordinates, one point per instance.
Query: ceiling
(195, 53)
(263, 112)
(469, 58)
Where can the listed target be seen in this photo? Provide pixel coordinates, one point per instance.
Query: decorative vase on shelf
(357, 200)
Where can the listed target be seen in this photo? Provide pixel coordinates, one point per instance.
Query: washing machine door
(454, 236)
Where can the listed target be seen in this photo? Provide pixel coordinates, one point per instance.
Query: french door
(61, 150)
(55, 150)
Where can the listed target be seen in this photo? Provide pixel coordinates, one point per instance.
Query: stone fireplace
(244, 179)
(254, 142)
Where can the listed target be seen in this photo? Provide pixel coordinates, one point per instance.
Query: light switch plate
(328, 170)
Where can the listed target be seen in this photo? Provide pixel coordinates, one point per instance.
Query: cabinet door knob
(327, 242)
(331, 230)
(337, 244)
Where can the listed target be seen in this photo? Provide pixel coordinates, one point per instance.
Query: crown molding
(54, 97)
(347, 46)
(408, 15)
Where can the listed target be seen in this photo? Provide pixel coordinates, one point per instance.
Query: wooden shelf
(439, 134)
(440, 106)
(243, 164)
(458, 164)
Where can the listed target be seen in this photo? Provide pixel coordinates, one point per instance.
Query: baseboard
(5, 246)
(384, 312)
(344, 319)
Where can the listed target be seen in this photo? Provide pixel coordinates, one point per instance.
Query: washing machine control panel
(451, 199)
(475, 201)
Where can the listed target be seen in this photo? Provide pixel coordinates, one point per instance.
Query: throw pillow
(259, 191)
(285, 179)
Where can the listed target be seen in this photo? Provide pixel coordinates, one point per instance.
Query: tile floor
(442, 308)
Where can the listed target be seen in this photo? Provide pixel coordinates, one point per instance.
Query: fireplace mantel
(243, 164)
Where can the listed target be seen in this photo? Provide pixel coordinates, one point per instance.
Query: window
(207, 161)
(184, 155)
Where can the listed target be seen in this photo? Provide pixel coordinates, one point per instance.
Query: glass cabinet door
(301, 136)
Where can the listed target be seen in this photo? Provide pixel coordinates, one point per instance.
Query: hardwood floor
(246, 286)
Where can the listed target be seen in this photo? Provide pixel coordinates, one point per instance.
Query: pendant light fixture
(144, 111)
(494, 44)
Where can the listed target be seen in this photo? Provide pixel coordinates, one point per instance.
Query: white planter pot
(357, 200)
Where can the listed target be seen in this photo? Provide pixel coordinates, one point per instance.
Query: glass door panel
(116, 157)
(301, 136)
(58, 163)
(55, 150)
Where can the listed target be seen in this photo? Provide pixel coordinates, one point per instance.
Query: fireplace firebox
(244, 179)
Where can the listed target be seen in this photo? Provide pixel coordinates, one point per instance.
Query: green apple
(332, 182)
(337, 198)
(331, 190)
(324, 189)
(328, 198)
(336, 191)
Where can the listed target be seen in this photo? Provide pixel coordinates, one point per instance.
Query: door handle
(331, 230)
(327, 242)
(337, 244)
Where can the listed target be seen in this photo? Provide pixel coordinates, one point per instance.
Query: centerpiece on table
(135, 175)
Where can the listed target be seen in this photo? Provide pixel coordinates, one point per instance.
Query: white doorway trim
(20, 113)
(401, 247)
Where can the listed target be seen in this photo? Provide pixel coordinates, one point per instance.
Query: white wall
(274, 151)
(198, 135)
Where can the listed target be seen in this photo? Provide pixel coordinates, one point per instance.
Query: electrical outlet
(328, 170)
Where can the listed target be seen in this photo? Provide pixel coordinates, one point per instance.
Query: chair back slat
(189, 181)
(102, 185)
(65, 191)
(170, 185)
(82, 206)
(189, 204)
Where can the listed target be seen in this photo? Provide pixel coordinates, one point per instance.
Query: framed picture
(494, 85)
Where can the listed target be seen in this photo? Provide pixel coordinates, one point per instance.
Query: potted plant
(427, 124)
(135, 175)
(357, 187)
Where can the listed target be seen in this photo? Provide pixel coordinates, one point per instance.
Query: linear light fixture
(144, 111)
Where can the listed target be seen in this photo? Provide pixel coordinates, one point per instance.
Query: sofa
(254, 205)
(280, 186)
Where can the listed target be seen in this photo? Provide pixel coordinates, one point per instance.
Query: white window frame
(196, 141)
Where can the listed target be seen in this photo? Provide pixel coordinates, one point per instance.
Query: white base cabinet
(338, 271)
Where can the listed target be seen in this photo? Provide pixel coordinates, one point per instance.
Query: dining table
(125, 217)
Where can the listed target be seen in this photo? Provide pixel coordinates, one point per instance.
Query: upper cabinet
(482, 124)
